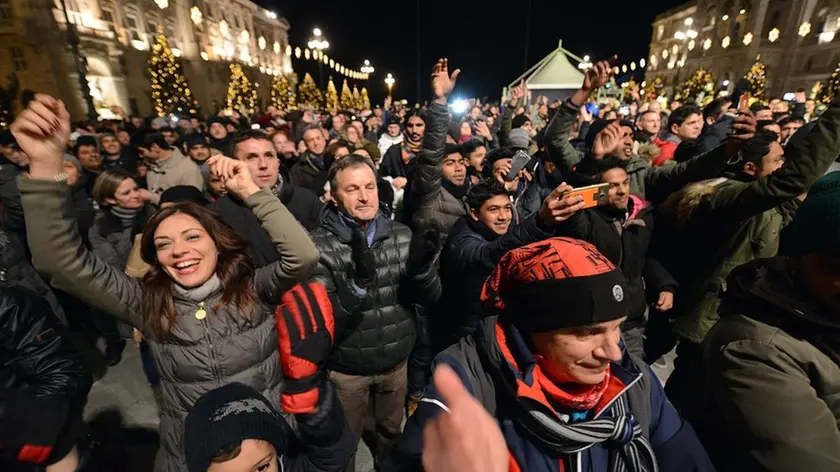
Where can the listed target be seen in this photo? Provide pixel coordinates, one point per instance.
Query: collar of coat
(335, 223)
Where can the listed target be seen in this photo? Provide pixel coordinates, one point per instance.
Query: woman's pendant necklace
(200, 313)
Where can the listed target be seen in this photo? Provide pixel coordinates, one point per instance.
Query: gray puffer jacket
(199, 354)
(111, 238)
(433, 206)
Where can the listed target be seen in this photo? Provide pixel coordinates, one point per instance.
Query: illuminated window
(133, 27)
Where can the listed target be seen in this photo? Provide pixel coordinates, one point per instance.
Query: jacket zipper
(213, 366)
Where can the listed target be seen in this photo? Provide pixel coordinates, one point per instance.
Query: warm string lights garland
(170, 93)
(827, 92)
(241, 94)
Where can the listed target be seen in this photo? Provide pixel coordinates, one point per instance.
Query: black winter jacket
(469, 256)
(625, 241)
(10, 198)
(302, 204)
(43, 379)
(374, 330)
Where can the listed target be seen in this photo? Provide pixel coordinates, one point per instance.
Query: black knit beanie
(225, 417)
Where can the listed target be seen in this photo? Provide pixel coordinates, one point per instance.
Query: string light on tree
(331, 96)
(346, 96)
(170, 93)
(827, 92)
(365, 100)
(241, 94)
(756, 77)
(282, 94)
(308, 92)
(700, 83)
(357, 98)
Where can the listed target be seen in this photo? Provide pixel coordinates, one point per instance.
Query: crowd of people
(484, 291)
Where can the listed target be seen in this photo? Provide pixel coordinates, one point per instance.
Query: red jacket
(668, 148)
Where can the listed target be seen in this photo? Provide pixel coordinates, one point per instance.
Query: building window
(809, 64)
(18, 61)
(208, 9)
(123, 65)
(133, 27)
(170, 34)
(107, 16)
(660, 31)
(5, 10)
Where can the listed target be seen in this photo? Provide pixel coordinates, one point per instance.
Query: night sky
(485, 39)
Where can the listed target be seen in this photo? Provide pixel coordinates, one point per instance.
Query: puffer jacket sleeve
(805, 162)
(347, 300)
(326, 443)
(59, 254)
(660, 182)
(298, 254)
(427, 179)
(507, 120)
(101, 247)
(40, 355)
(557, 144)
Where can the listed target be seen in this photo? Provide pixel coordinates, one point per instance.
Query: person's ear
(473, 214)
(674, 128)
(110, 201)
(750, 168)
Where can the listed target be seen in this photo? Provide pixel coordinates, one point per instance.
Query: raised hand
(42, 131)
(305, 333)
(465, 438)
(516, 93)
(607, 141)
(558, 207)
(234, 174)
(442, 83)
(483, 130)
(598, 75)
(743, 129)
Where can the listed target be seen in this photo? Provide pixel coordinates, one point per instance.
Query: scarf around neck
(457, 191)
(610, 423)
(126, 215)
(200, 293)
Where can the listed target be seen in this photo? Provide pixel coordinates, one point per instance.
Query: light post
(367, 69)
(389, 81)
(319, 43)
(81, 63)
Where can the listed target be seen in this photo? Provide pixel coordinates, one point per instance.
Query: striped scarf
(614, 426)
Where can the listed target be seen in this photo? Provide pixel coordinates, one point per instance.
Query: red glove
(305, 333)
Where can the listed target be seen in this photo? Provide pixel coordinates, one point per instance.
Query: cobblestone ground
(122, 412)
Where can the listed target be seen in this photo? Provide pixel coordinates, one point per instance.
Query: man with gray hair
(374, 274)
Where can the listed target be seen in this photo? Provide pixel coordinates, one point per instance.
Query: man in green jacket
(772, 362)
(714, 226)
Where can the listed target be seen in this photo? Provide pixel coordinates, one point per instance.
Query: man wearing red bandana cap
(549, 364)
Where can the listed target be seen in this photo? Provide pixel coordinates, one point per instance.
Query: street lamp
(367, 69)
(318, 43)
(389, 81)
(585, 64)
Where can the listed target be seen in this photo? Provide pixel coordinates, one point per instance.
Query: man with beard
(398, 158)
(86, 151)
(439, 180)
(257, 151)
(285, 149)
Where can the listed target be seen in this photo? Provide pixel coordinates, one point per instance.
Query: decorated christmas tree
(241, 93)
(365, 100)
(331, 97)
(653, 89)
(308, 92)
(346, 96)
(170, 93)
(696, 87)
(756, 77)
(827, 92)
(357, 98)
(282, 94)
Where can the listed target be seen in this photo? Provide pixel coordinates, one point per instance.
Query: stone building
(115, 38)
(794, 38)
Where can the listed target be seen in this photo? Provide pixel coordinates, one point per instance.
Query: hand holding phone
(519, 161)
(592, 195)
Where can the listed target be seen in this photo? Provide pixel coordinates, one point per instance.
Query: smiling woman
(206, 311)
